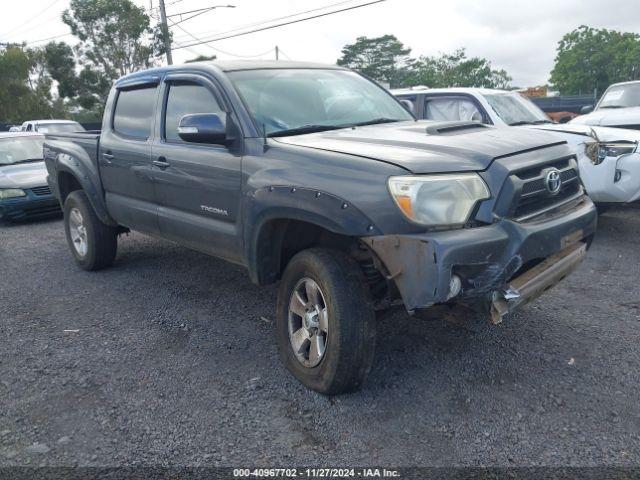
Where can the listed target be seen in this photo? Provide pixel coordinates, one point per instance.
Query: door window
(186, 98)
(452, 109)
(134, 112)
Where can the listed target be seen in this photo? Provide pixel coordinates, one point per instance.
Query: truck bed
(64, 150)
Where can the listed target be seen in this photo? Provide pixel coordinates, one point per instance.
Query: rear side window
(134, 112)
(452, 109)
(186, 98)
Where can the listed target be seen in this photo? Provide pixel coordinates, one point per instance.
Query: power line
(263, 22)
(31, 19)
(282, 24)
(48, 38)
(213, 48)
(284, 53)
(206, 9)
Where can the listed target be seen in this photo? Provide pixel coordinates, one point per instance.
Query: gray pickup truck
(316, 177)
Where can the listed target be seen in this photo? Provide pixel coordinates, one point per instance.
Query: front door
(197, 185)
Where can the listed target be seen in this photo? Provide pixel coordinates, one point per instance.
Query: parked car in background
(15, 128)
(314, 176)
(51, 126)
(24, 192)
(608, 158)
(618, 107)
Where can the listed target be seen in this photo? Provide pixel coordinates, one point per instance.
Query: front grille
(530, 194)
(40, 191)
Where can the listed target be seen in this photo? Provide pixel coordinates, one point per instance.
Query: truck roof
(624, 83)
(468, 90)
(49, 121)
(20, 134)
(230, 66)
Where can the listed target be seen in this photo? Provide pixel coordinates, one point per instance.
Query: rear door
(125, 157)
(197, 185)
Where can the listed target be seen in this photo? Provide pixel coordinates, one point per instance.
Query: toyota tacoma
(317, 178)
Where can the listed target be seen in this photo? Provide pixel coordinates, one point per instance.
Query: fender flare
(89, 180)
(296, 204)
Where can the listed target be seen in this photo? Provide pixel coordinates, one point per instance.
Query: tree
(25, 85)
(381, 58)
(455, 70)
(591, 59)
(115, 38)
(61, 65)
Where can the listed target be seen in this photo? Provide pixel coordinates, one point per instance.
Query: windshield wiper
(520, 122)
(305, 129)
(375, 121)
(612, 106)
(311, 128)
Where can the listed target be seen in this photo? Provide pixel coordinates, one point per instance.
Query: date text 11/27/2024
(315, 473)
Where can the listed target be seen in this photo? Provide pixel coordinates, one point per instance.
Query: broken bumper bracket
(532, 283)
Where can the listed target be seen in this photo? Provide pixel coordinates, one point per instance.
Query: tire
(100, 241)
(349, 324)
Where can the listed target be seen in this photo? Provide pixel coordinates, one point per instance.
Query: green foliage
(589, 58)
(387, 59)
(381, 58)
(455, 70)
(25, 86)
(115, 38)
(60, 64)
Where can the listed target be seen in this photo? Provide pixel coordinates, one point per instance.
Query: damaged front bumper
(501, 266)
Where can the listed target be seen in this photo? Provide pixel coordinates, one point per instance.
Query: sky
(519, 36)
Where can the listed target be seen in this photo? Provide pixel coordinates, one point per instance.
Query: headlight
(438, 200)
(598, 151)
(11, 193)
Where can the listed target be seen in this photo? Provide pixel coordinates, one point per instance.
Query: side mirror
(586, 109)
(407, 104)
(204, 128)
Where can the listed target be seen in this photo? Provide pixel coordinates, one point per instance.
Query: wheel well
(67, 183)
(279, 240)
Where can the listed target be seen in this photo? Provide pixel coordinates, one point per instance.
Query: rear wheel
(325, 321)
(92, 243)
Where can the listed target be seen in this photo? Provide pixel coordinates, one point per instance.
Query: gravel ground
(169, 358)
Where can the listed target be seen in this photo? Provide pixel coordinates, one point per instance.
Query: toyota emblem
(552, 181)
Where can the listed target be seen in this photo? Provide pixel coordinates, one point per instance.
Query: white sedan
(608, 158)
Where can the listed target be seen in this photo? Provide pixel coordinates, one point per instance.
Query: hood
(604, 134)
(420, 148)
(610, 117)
(23, 175)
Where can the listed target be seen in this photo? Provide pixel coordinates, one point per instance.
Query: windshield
(303, 100)
(20, 149)
(621, 96)
(59, 127)
(514, 109)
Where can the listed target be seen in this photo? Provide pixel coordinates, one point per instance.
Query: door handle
(108, 157)
(161, 163)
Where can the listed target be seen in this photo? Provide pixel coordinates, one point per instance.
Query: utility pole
(277, 53)
(165, 33)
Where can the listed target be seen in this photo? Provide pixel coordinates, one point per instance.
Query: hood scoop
(443, 128)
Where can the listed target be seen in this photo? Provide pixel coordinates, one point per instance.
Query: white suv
(608, 158)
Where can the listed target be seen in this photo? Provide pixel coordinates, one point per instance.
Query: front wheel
(325, 321)
(92, 243)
